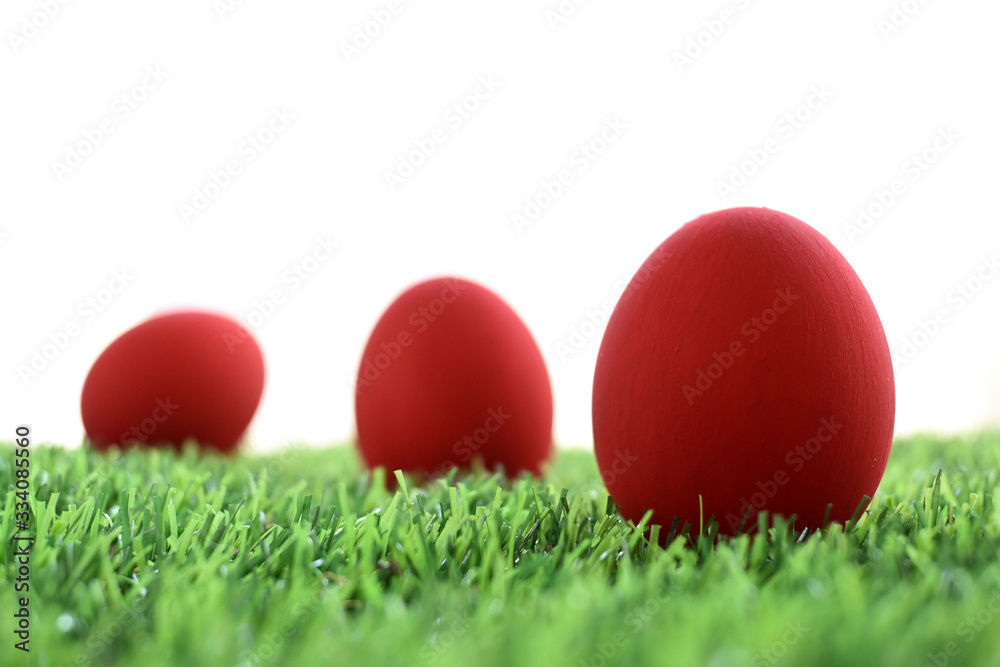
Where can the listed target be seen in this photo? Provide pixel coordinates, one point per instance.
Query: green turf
(297, 559)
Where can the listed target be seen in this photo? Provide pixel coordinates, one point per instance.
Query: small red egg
(450, 374)
(177, 376)
(744, 368)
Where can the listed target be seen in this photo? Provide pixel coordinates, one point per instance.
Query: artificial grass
(153, 558)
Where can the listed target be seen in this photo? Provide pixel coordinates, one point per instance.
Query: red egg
(174, 377)
(744, 368)
(450, 374)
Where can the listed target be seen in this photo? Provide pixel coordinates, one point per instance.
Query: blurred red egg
(177, 376)
(745, 366)
(450, 375)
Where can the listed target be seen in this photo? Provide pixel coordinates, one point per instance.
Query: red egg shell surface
(745, 364)
(451, 374)
(177, 376)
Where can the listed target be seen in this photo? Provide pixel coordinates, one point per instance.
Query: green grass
(153, 558)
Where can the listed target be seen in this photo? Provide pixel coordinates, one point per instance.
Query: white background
(688, 125)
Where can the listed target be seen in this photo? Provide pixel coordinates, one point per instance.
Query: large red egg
(744, 368)
(177, 376)
(450, 374)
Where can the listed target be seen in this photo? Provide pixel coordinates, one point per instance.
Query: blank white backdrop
(115, 114)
